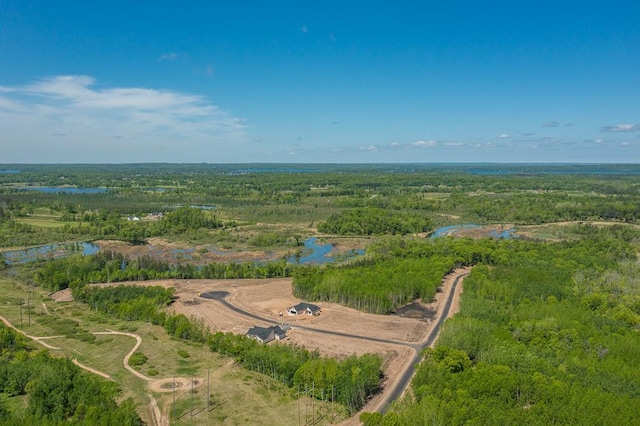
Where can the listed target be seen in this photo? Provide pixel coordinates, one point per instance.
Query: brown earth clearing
(269, 298)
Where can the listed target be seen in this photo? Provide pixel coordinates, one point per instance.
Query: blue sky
(332, 81)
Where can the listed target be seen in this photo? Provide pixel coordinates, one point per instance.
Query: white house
(304, 308)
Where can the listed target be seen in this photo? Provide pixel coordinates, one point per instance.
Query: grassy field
(235, 396)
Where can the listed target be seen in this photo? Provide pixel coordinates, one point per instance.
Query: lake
(63, 190)
(51, 250)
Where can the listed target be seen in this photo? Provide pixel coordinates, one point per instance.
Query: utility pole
(298, 405)
(28, 304)
(306, 406)
(332, 387)
(313, 400)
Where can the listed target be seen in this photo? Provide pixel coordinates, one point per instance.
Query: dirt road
(236, 305)
(398, 386)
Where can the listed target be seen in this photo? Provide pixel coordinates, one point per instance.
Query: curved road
(221, 296)
(407, 374)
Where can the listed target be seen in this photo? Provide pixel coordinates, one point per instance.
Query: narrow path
(156, 415)
(35, 339)
(125, 360)
(91, 370)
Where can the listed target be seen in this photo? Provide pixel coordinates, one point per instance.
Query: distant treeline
(375, 221)
(485, 193)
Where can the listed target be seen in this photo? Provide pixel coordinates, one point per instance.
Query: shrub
(138, 358)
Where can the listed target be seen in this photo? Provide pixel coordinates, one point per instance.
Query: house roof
(304, 306)
(266, 334)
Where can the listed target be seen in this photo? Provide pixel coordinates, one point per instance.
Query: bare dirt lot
(269, 298)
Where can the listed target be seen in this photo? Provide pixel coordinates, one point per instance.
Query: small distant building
(267, 334)
(304, 308)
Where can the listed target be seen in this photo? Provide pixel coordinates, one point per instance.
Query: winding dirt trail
(92, 370)
(446, 306)
(28, 336)
(153, 384)
(125, 360)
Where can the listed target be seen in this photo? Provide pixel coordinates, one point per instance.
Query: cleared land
(269, 298)
(237, 396)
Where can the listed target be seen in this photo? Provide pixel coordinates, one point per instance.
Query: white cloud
(550, 124)
(168, 56)
(370, 148)
(304, 29)
(624, 144)
(621, 128)
(425, 144)
(503, 136)
(171, 123)
(209, 70)
(453, 143)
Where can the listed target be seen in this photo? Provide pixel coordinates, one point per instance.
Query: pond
(312, 253)
(506, 234)
(318, 253)
(63, 190)
(453, 230)
(51, 250)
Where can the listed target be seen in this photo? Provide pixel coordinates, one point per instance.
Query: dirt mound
(63, 295)
(416, 310)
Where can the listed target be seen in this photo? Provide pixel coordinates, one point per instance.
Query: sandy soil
(269, 298)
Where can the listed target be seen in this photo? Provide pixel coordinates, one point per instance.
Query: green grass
(263, 402)
(239, 396)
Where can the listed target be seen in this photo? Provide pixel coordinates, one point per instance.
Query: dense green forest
(408, 198)
(373, 221)
(548, 327)
(107, 267)
(58, 392)
(547, 335)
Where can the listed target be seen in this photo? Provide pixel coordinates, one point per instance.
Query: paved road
(221, 296)
(407, 374)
